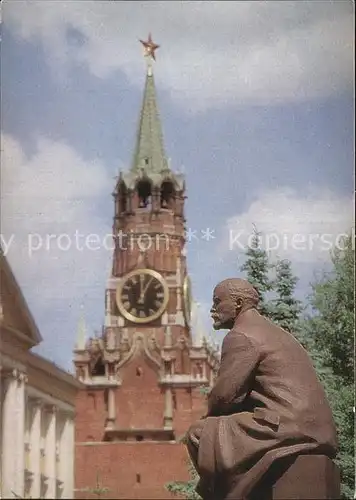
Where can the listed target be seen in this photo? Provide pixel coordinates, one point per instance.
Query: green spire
(149, 153)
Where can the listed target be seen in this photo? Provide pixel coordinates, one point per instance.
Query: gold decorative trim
(120, 305)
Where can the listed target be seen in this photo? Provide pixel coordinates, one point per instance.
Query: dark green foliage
(332, 332)
(204, 390)
(99, 490)
(186, 489)
(342, 400)
(285, 310)
(257, 269)
(334, 321)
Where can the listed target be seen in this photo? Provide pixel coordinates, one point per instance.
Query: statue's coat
(267, 403)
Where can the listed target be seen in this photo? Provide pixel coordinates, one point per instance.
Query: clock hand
(143, 290)
(140, 300)
(142, 279)
(147, 285)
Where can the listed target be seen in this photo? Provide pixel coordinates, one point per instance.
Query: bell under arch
(144, 193)
(167, 194)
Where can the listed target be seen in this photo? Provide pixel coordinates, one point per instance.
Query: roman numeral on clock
(143, 296)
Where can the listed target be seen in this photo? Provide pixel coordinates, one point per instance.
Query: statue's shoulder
(238, 336)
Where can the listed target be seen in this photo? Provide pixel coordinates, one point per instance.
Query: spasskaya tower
(142, 377)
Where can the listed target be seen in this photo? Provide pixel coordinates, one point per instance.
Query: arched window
(144, 192)
(98, 369)
(167, 194)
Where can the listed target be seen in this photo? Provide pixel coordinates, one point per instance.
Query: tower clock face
(142, 296)
(187, 298)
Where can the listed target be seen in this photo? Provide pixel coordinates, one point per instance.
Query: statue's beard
(221, 323)
(216, 324)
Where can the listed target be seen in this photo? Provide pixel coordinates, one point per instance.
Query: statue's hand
(194, 439)
(195, 432)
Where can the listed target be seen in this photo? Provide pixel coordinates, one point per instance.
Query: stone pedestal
(305, 477)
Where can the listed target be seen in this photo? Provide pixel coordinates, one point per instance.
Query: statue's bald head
(238, 288)
(231, 297)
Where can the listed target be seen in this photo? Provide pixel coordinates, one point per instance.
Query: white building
(37, 406)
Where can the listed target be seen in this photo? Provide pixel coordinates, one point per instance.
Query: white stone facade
(37, 406)
(37, 439)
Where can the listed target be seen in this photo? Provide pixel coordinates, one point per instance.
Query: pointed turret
(149, 153)
(81, 333)
(197, 325)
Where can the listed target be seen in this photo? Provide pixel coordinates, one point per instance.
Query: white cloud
(300, 226)
(211, 53)
(54, 192)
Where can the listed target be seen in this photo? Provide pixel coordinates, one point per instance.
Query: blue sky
(257, 106)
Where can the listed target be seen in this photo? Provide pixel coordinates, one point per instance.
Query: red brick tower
(143, 376)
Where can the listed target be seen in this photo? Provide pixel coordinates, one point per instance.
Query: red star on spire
(150, 47)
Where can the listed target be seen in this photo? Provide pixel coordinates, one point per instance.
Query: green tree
(333, 305)
(285, 309)
(186, 489)
(98, 490)
(331, 330)
(257, 268)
